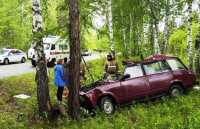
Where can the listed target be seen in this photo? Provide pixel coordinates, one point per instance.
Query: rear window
(175, 64)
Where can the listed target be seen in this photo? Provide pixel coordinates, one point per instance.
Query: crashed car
(151, 77)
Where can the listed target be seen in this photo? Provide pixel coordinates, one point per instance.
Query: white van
(55, 48)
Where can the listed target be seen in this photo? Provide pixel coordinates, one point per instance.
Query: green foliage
(178, 41)
(164, 113)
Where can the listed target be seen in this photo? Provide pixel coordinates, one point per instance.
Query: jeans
(60, 93)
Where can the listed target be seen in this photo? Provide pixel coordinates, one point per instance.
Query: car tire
(6, 61)
(23, 60)
(107, 105)
(176, 90)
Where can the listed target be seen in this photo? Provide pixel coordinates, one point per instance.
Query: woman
(59, 79)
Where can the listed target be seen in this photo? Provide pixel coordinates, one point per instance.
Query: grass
(166, 113)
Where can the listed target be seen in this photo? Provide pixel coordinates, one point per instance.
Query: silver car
(11, 56)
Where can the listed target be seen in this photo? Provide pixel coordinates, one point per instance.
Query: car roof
(150, 59)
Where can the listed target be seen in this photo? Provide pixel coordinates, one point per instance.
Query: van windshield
(46, 46)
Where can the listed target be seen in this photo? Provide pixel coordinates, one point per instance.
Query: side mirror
(126, 76)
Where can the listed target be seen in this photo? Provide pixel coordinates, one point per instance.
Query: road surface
(19, 69)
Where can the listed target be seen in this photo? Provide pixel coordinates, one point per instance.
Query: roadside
(20, 69)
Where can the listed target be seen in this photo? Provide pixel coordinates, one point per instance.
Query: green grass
(165, 113)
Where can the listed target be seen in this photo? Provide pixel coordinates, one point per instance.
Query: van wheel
(6, 61)
(176, 90)
(23, 60)
(107, 105)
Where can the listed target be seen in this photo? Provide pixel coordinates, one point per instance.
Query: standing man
(59, 79)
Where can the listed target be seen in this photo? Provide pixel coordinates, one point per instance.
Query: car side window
(156, 67)
(134, 71)
(175, 64)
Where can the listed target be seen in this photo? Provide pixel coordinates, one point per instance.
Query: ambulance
(55, 48)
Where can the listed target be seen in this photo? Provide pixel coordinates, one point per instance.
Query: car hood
(92, 86)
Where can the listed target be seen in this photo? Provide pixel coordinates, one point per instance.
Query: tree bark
(41, 69)
(74, 36)
(110, 24)
(156, 45)
(189, 35)
(166, 29)
(197, 46)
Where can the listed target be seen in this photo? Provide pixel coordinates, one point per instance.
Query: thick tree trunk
(110, 25)
(74, 36)
(41, 69)
(189, 35)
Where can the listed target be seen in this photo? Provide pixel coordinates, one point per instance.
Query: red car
(153, 76)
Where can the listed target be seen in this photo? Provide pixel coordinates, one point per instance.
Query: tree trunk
(130, 32)
(166, 29)
(110, 25)
(41, 69)
(189, 35)
(74, 36)
(156, 45)
(21, 2)
(151, 30)
(197, 45)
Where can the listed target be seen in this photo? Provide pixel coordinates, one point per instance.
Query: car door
(137, 85)
(159, 76)
(18, 55)
(11, 56)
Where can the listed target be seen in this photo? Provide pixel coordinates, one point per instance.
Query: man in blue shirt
(59, 79)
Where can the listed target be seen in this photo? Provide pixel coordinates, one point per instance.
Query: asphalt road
(19, 69)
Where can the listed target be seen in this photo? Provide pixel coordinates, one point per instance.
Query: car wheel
(107, 105)
(6, 61)
(23, 60)
(176, 90)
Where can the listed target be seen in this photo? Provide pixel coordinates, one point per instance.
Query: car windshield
(3, 51)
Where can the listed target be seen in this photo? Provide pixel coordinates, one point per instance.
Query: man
(110, 68)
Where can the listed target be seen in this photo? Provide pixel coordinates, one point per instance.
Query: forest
(133, 29)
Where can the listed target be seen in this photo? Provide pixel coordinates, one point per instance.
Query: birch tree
(110, 24)
(41, 70)
(189, 34)
(197, 44)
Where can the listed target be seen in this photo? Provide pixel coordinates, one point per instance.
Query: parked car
(154, 76)
(11, 56)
